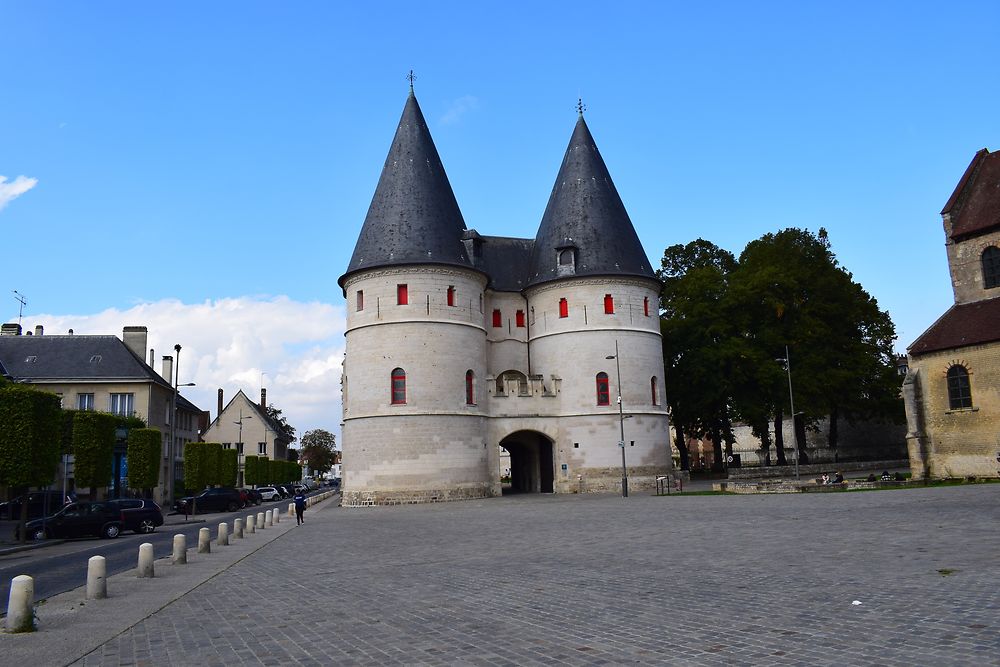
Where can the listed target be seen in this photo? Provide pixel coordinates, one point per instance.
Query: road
(63, 566)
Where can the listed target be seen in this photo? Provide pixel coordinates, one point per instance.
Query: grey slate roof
(585, 211)
(413, 217)
(73, 358)
(505, 260)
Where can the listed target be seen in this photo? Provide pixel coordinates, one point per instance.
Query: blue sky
(207, 166)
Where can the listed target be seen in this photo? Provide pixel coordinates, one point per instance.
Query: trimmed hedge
(230, 467)
(196, 467)
(251, 470)
(30, 436)
(213, 462)
(93, 448)
(145, 446)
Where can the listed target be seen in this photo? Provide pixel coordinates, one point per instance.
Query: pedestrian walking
(300, 507)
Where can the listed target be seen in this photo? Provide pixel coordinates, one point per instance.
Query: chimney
(152, 357)
(263, 399)
(10, 329)
(39, 330)
(70, 332)
(220, 402)
(135, 339)
(168, 369)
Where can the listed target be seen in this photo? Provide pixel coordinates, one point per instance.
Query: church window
(470, 388)
(497, 319)
(402, 295)
(959, 389)
(451, 295)
(563, 308)
(652, 389)
(566, 257)
(991, 267)
(603, 393)
(519, 318)
(361, 300)
(398, 386)
(609, 305)
(645, 306)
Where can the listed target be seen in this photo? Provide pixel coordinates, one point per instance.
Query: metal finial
(580, 106)
(411, 76)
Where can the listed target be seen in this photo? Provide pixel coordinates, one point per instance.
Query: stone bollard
(223, 535)
(269, 518)
(204, 541)
(260, 520)
(97, 578)
(145, 570)
(21, 604)
(291, 509)
(251, 524)
(277, 515)
(238, 529)
(180, 556)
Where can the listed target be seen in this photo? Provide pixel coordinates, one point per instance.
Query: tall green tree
(286, 430)
(318, 449)
(93, 449)
(144, 450)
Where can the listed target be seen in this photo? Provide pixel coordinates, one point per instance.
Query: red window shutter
(645, 306)
(398, 386)
(519, 318)
(603, 394)
(451, 295)
(563, 308)
(402, 295)
(609, 305)
(497, 321)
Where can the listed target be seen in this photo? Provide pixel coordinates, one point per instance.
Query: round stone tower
(415, 338)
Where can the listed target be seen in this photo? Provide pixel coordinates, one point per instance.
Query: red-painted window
(652, 389)
(398, 386)
(603, 393)
(645, 306)
(519, 318)
(497, 320)
(402, 295)
(563, 308)
(470, 388)
(451, 295)
(361, 300)
(609, 305)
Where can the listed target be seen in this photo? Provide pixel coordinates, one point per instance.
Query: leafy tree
(30, 425)
(93, 448)
(230, 467)
(285, 430)
(144, 448)
(251, 470)
(319, 449)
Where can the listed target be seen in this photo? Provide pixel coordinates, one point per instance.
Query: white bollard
(277, 515)
(145, 570)
(238, 529)
(21, 604)
(180, 556)
(97, 578)
(251, 524)
(291, 509)
(204, 541)
(223, 535)
(269, 518)
(260, 520)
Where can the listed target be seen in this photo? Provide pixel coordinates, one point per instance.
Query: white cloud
(14, 189)
(228, 343)
(459, 108)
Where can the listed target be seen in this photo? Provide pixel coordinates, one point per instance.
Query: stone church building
(461, 345)
(952, 389)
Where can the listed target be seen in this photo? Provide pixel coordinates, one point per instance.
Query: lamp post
(239, 445)
(171, 446)
(621, 420)
(791, 404)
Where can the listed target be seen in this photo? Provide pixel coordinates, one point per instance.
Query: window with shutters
(402, 295)
(563, 308)
(398, 386)
(603, 393)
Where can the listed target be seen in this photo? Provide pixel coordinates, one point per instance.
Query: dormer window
(96, 359)
(566, 257)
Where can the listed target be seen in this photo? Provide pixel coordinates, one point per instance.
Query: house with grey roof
(245, 426)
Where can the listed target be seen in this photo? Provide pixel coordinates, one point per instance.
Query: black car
(98, 519)
(40, 503)
(211, 500)
(141, 516)
(254, 496)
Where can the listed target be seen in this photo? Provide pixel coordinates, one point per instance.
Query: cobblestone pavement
(589, 580)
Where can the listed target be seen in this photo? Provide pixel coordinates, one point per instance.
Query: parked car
(310, 483)
(211, 500)
(99, 519)
(269, 493)
(139, 515)
(286, 490)
(253, 495)
(40, 503)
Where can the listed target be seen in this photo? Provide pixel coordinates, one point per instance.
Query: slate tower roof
(586, 214)
(413, 217)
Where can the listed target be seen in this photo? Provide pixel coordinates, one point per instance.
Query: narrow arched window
(451, 295)
(470, 388)
(959, 389)
(991, 267)
(563, 308)
(566, 257)
(609, 305)
(398, 386)
(645, 306)
(603, 393)
(652, 389)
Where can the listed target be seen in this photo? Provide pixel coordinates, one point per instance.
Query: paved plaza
(581, 580)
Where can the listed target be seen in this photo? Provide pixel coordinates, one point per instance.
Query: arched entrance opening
(531, 463)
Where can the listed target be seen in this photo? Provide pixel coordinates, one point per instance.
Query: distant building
(245, 426)
(952, 388)
(107, 374)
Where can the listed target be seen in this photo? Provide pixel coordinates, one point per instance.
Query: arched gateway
(532, 467)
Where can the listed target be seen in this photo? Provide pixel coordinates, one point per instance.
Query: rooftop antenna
(20, 309)
(411, 77)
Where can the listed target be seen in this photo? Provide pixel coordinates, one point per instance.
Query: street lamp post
(239, 445)
(791, 404)
(171, 446)
(621, 421)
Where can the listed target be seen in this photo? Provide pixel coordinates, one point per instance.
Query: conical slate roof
(585, 213)
(413, 217)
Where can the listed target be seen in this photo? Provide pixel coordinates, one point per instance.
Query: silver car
(269, 493)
